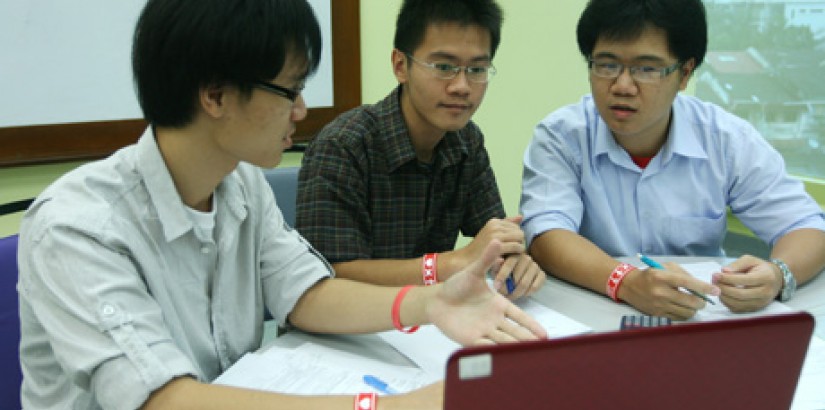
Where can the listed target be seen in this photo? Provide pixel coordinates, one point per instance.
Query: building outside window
(766, 63)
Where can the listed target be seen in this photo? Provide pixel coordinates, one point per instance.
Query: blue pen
(511, 284)
(657, 265)
(378, 384)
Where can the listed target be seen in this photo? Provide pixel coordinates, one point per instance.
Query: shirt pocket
(695, 235)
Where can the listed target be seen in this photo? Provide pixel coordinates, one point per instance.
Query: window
(769, 70)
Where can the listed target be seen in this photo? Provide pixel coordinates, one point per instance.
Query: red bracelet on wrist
(365, 401)
(396, 310)
(429, 269)
(615, 279)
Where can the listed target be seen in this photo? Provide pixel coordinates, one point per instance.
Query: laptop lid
(749, 363)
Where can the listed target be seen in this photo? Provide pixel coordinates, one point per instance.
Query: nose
(624, 83)
(460, 84)
(299, 109)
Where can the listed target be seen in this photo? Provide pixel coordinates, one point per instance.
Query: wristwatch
(788, 280)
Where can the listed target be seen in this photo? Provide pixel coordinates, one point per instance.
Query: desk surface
(590, 308)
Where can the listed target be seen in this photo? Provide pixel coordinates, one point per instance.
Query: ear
(687, 73)
(399, 65)
(212, 100)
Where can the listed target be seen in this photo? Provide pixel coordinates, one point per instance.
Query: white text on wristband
(429, 269)
(365, 401)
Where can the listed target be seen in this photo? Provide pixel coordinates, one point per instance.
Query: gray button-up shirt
(118, 294)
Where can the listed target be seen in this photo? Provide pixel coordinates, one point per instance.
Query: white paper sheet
(430, 349)
(315, 369)
(704, 271)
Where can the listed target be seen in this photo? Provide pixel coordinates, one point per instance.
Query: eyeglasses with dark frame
(641, 73)
(448, 71)
(288, 93)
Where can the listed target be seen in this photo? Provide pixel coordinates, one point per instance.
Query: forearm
(322, 309)
(186, 393)
(397, 272)
(571, 257)
(803, 250)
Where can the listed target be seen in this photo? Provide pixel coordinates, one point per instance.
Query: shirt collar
(164, 197)
(681, 139)
(449, 151)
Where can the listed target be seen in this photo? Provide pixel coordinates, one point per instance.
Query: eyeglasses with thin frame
(641, 73)
(290, 94)
(448, 71)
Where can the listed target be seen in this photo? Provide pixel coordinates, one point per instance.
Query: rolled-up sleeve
(551, 191)
(289, 264)
(105, 330)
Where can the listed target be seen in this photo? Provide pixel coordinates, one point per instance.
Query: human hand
(748, 284)
(507, 231)
(527, 276)
(469, 312)
(658, 292)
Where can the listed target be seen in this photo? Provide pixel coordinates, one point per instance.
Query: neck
(423, 135)
(193, 162)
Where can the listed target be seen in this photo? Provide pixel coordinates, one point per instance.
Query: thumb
(515, 219)
(490, 256)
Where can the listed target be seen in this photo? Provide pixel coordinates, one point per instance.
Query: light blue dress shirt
(120, 292)
(578, 178)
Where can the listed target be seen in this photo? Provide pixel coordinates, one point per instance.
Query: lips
(622, 111)
(456, 107)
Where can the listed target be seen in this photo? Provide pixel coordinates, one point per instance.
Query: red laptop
(732, 364)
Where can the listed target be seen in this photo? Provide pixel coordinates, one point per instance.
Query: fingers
(526, 275)
(744, 264)
(524, 322)
(505, 230)
(679, 278)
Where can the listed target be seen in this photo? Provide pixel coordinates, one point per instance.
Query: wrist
(411, 308)
(787, 281)
(450, 262)
(616, 279)
(429, 269)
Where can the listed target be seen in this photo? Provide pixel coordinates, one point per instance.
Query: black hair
(181, 46)
(416, 15)
(684, 21)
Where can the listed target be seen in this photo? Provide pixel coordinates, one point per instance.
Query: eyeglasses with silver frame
(288, 93)
(641, 73)
(448, 71)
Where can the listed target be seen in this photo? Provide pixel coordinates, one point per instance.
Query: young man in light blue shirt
(637, 167)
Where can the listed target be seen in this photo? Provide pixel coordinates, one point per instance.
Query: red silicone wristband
(365, 401)
(616, 278)
(396, 310)
(429, 269)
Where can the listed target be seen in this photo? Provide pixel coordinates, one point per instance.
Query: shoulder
(90, 198)
(716, 125)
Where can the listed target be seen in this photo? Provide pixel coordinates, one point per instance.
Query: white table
(592, 309)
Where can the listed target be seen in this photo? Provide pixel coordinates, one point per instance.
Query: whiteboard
(70, 61)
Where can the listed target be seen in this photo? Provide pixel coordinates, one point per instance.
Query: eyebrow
(638, 59)
(447, 56)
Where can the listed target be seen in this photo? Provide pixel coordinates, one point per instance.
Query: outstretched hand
(469, 312)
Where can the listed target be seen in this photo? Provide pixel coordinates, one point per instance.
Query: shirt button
(108, 310)
(205, 250)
